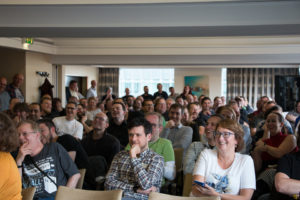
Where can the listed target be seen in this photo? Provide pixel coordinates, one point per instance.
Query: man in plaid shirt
(138, 171)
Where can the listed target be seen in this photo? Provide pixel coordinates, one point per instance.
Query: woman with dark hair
(225, 172)
(10, 181)
(57, 107)
(186, 91)
(274, 144)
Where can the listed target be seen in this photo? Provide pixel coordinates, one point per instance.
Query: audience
(4, 96)
(34, 111)
(14, 89)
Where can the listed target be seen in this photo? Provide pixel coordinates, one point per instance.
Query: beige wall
(36, 62)
(214, 74)
(12, 62)
(91, 73)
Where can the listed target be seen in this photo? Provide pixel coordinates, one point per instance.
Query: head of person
(127, 91)
(84, 102)
(223, 100)
(227, 112)
(46, 105)
(13, 102)
(148, 106)
(267, 105)
(200, 98)
(137, 105)
(159, 87)
(118, 111)
(140, 98)
(187, 90)
(71, 110)
(186, 116)
(229, 136)
(139, 132)
(56, 104)
(175, 113)
(73, 85)
(92, 103)
(146, 89)
(194, 110)
(109, 90)
(276, 108)
(190, 98)
(93, 83)
(119, 100)
(211, 125)
(21, 110)
(100, 122)
(29, 134)
(260, 103)
(81, 110)
(179, 100)
(239, 101)
(160, 105)
(74, 99)
(3, 84)
(205, 103)
(171, 90)
(47, 130)
(34, 111)
(217, 102)
(235, 106)
(9, 137)
(195, 98)
(130, 100)
(274, 123)
(18, 80)
(169, 102)
(108, 105)
(156, 121)
(297, 107)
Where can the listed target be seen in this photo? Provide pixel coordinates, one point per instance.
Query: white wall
(36, 62)
(214, 75)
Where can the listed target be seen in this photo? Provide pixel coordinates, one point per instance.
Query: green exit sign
(29, 40)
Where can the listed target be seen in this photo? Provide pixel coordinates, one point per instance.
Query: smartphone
(200, 183)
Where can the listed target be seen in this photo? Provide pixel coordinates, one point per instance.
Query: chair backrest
(64, 193)
(178, 158)
(159, 196)
(80, 181)
(187, 184)
(28, 193)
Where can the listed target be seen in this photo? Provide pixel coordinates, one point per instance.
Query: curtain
(253, 83)
(108, 77)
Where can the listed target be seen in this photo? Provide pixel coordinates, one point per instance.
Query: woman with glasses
(10, 180)
(224, 171)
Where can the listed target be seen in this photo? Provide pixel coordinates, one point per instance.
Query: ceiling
(173, 31)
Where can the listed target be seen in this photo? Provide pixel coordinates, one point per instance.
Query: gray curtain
(108, 77)
(253, 83)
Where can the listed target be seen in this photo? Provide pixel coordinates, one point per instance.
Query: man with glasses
(44, 166)
(99, 142)
(4, 96)
(68, 124)
(148, 106)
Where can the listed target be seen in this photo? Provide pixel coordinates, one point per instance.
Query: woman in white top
(225, 172)
(92, 109)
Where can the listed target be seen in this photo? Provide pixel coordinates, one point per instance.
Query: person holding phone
(224, 171)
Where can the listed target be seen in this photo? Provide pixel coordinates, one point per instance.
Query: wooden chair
(64, 193)
(176, 189)
(187, 184)
(81, 180)
(160, 196)
(178, 158)
(28, 193)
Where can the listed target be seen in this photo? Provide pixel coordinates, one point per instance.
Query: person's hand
(147, 192)
(207, 112)
(134, 151)
(207, 190)
(170, 124)
(259, 143)
(23, 151)
(83, 119)
(17, 119)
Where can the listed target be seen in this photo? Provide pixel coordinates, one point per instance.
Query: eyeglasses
(70, 108)
(224, 134)
(26, 133)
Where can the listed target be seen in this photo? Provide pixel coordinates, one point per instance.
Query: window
(136, 79)
(224, 82)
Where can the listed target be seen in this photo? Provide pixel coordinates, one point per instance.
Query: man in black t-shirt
(44, 166)
(99, 142)
(160, 92)
(70, 143)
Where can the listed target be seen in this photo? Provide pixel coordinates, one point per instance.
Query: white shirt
(65, 126)
(92, 92)
(240, 175)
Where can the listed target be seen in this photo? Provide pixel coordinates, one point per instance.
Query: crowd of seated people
(237, 153)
